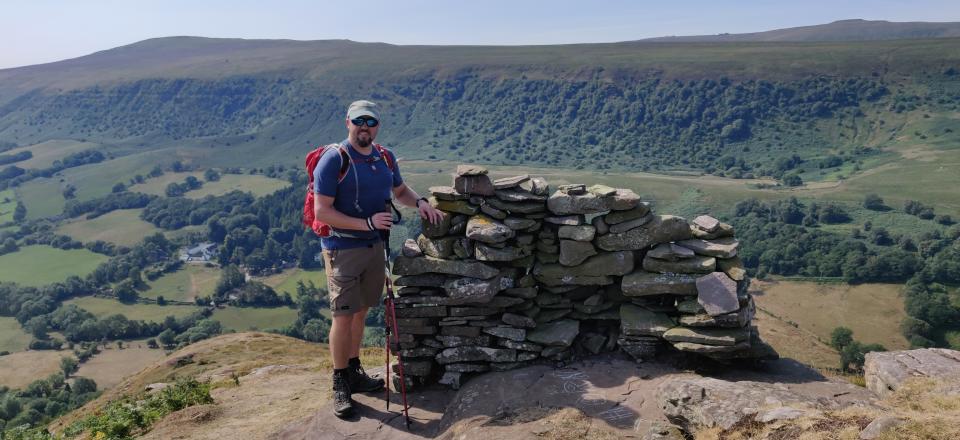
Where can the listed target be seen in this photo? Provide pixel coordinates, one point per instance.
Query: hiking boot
(359, 381)
(342, 403)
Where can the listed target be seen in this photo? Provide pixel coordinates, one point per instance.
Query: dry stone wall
(516, 274)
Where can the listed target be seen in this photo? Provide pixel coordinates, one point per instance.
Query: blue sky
(39, 31)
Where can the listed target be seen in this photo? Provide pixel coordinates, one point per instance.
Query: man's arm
(324, 211)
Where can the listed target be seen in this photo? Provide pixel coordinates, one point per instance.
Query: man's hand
(427, 211)
(382, 220)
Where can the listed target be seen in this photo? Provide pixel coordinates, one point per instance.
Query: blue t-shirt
(376, 183)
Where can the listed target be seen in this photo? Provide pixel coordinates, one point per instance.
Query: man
(356, 207)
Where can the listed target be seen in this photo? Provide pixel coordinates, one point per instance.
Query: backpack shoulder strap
(387, 156)
(344, 162)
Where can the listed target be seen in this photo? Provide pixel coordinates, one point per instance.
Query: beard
(364, 140)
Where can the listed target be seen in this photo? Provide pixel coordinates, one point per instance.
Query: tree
(174, 189)
(841, 337)
(792, 179)
(118, 187)
(161, 301)
(873, 202)
(192, 182)
(316, 330)
(9, 245)
(68, 365)
(69, 192)
(20, 212)
(211, 175)
(167, 337)
(126, 292)
(83, 385)
(152, 343)
(230, 278)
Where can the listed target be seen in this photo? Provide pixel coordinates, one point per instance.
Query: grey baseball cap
(363, 108)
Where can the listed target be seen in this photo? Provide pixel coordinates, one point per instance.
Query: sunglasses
(369, 122)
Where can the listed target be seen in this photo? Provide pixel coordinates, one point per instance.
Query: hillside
(842, 30)
(732, 108)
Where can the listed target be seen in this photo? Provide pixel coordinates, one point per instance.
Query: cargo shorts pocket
(342, 292)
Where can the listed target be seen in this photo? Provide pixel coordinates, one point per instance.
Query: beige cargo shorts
(354, 278)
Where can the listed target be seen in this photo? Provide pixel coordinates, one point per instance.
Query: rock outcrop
(886, 371)
(516, 273)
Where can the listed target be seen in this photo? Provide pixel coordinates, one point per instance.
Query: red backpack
(309, 219)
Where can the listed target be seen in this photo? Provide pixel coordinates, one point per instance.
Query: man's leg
(341, 340)
(356, 331)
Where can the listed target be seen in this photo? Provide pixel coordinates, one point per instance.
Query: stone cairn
(514, 274)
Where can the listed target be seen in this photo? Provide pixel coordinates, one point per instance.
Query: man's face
(362, 134)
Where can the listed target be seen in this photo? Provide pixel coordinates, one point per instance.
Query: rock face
(514, 274)
(886, 371)
(696, 403)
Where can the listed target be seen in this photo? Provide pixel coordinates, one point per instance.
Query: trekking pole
(391, 329)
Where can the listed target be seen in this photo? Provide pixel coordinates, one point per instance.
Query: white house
(201, 252)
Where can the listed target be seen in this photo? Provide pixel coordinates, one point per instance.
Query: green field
(43, 197)
(12, 336)
(101, 307)
(38, 265)
(45, 153)
(122, 227)
(254, 183)
(186, 284)
(247, 318)
(873, 311)
(287, 280)
(8, 202)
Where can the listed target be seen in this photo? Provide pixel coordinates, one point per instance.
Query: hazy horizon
(52, 30)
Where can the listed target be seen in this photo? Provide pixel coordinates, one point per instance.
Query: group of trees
(233, 288)
(42, 400)
(852, 352)
(14, 175)
(175, 189)
(18, 157)
(781, 242)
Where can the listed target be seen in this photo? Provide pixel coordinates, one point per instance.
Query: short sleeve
(326, 175)
(397, 179)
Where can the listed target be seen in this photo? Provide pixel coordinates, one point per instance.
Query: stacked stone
(690, 290)
(513, 274)
(467, 300)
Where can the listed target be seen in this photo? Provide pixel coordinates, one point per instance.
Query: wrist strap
(370, 223)
(421, 199)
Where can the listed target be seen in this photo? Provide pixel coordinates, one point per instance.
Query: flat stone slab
(717, 293)
(558, 333)
(638, 321)
(471, 170)
(721, 247)
(564, 203)
(695, 265)
(708, 336)
(886, 371)
(422, 265)
(670, 252)
(510, 182)
(615, 217)
(473, 184)
(578, 233)
(706, 223)
(660, 229)
(475, 291)
(447, 193)
(643, 283)
(467, 353)
(603, 264)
